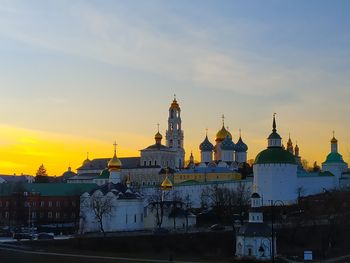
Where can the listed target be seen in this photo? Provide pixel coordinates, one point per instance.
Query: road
(14, 255)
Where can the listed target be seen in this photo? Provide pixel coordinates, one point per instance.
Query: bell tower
(174, 134)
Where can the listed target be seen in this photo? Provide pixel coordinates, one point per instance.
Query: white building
(164, 209)
(123, 209)
(278, 174)
(275, 170)
(174, 134)
(113, 206)
(254, 239)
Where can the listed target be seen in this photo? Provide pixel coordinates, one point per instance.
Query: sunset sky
(77, 75)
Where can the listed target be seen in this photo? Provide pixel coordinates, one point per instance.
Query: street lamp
(273, 203)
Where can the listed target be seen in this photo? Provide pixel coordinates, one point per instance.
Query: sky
(77, 75)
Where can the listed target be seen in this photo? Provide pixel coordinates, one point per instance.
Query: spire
(334, 144)
(158, 137)
(290, 145)
(240, 133)
(274, 123)
(274, 140)
(191, 159)
(223, 120)
(334, 140)
(296, 149)
(114, 163)
(206, 132)
(115, 148)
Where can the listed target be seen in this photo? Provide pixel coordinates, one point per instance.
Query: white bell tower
(174, 134)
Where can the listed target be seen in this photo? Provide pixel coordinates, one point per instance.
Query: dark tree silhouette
(41, 175)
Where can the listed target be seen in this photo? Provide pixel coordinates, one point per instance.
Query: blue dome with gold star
(241, 146)
(206, 145)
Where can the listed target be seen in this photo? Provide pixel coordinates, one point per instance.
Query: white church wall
(315, 184)
(194, 191)
(125, 215)
(276, 182)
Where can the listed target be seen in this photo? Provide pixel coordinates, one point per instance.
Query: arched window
(155, 162)
(144, 163)
(150, 163)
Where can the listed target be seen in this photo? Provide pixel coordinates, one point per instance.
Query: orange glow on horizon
(23, 150)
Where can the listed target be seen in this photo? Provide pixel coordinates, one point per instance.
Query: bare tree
(188, 205)
(224, 201)
(157, 204)
(305, 164)
(101, 207)
(176, 201)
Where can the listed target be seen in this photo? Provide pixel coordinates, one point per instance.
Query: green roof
(188, 182)
(334, 158)
(274, 135)
(303, 173)
(47, 189)
(274, 155)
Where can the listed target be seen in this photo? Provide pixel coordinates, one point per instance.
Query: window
(7, 215)
(33, 214)
(7, 203)
(144, 163)
(145, 211)
(141, 217)
(155, 162)
(41, 215)
(57, 214)
(135, 218)
(73, 215)
(126, 218)
(49, 214)
(73, 203)
(150, 163)
(58, 204)
(50, 204)
(42, 203)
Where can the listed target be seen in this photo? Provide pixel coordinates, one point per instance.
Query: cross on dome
(115, 147)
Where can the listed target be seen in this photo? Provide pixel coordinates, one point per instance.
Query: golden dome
(114, 163)
(334, 140)
(174, 105)
(158, 136)
(166, 184)
(221, 135)
(86, 161)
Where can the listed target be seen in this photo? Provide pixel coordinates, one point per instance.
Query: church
(219, 162)
(277, 172)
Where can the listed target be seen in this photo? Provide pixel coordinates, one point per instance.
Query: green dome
(274, 135)
(334, 158)
(274, 155)
(104, 174)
